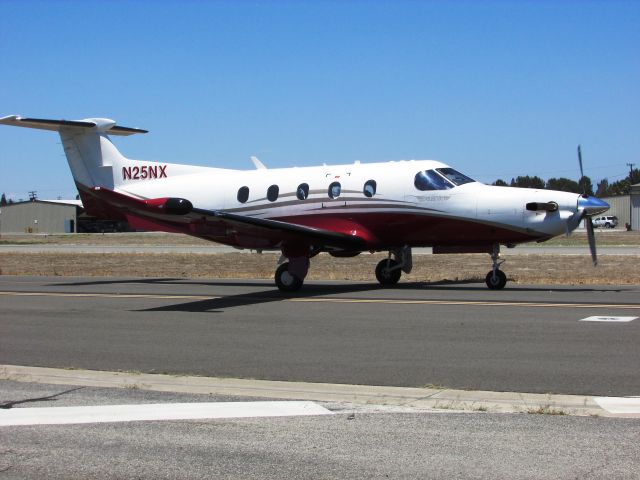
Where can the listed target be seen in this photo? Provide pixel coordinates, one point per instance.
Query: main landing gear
(290, 275)
(388, 271)
(293, 267)
(496, 279)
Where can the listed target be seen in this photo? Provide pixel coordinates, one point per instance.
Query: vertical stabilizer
(92, 157)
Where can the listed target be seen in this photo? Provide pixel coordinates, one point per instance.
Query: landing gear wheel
(285, 281)
(498, 282)
(385, 273)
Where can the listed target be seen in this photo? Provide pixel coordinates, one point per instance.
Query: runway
(459, 336)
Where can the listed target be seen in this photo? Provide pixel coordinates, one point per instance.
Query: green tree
(563, 184)
(585, 186)
(528, 182)
(500, 183)
(3, 200)
(603, 188)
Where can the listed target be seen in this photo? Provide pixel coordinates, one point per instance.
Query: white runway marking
(619, 404)
(608, 319)
(154, 412)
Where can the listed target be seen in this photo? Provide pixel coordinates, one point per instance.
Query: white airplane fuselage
(396, 214)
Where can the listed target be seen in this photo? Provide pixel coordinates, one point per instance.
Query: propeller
(584, 185)
(587, 207)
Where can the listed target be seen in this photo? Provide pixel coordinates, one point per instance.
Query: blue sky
(496, 89)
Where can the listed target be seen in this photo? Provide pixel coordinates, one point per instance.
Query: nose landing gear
(496, 279)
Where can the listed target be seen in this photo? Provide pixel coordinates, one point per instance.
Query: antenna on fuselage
(258, 164)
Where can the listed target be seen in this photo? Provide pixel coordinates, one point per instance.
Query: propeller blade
(592, 240)
(574, 220)
(580, 161)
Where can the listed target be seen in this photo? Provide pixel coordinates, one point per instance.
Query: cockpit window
(454, 176)
(430, 180)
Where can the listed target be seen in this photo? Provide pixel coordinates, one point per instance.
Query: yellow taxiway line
(335, 300)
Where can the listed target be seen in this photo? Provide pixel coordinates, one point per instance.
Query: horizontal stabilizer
(98, 124)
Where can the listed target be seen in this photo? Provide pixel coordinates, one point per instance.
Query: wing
(178, 215)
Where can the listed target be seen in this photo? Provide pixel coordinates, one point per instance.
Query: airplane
(344, 210)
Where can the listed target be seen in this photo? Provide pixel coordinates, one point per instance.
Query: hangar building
(40, 216)
(626, 208)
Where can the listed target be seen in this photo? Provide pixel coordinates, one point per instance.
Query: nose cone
(592, 205)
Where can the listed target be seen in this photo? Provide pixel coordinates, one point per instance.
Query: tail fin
(92, 157)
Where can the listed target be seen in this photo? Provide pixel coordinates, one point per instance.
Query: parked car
(606, 222)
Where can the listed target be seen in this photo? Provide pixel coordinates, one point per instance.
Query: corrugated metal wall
(619, 208)
(635, 216)
(38, 217)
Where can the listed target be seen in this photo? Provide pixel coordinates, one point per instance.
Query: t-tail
(93, 159)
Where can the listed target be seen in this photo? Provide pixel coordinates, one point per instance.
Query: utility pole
(630, 165)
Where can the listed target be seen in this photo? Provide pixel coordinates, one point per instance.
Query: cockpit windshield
(440, 179)
(430, 180)
(454, 176)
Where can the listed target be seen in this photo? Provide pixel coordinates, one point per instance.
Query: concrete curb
(420, 399)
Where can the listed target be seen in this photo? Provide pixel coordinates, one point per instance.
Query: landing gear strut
(388, 271)
(496, 279)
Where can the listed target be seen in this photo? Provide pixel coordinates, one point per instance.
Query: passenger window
(369, 188)
(430, 180)
(302, 192)
(243, 194)
(334, 190)
(272, 193)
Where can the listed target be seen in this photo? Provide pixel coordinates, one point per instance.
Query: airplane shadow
(311, 290)
(220, 304)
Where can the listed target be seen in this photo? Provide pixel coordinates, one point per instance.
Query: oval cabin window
(302, 192)
(334, 190)
(243, 194)
(272, 193)
(369, 188)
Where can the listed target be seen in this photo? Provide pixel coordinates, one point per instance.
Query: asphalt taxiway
(97, 380)
(460, 336)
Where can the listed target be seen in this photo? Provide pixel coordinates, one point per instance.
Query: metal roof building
(39, 216)
(626, 208)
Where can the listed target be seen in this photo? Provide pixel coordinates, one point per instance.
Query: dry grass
(578, 238)
(538, 268)
(534, 269)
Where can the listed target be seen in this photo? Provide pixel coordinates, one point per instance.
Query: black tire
(386, 276)
(498, 282)
(607, 225)
(285, 281)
